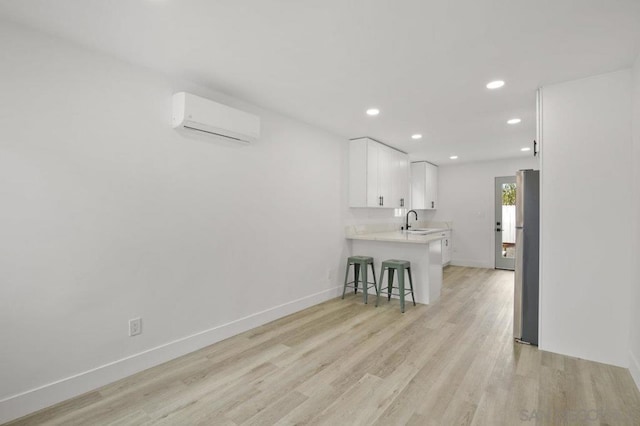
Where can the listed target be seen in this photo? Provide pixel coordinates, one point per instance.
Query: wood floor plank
(342, 362)
(322, 398)
(134, 418)
(372, 392)
(50, 415)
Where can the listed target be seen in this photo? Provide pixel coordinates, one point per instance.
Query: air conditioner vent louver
(193, 113)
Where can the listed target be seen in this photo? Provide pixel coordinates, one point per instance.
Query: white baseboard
(634, 368)
(27, 402)
(471, 264)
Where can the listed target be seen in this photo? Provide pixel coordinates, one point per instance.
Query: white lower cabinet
(446, 247)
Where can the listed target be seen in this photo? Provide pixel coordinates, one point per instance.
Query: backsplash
(371, 228)
(359, 216)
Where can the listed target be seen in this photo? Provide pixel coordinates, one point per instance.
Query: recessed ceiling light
(373, 111)
(526, 148)
(495, 84)
(416, 136)
(514, 121)
(454, 157)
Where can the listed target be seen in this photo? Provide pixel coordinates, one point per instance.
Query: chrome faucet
(407, 226)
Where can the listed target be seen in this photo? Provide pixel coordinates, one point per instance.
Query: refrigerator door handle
(517, 293)
(520, 182)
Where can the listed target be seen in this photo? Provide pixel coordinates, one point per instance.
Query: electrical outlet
(135, 326)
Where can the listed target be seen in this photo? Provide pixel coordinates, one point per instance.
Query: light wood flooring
(344, 363)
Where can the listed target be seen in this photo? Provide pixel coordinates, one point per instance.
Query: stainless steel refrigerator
(527, 272)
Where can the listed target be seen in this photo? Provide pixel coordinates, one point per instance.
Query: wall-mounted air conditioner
(193, 113)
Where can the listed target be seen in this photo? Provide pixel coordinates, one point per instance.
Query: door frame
(499, 261)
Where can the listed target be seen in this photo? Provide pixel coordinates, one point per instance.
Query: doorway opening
(505, 223)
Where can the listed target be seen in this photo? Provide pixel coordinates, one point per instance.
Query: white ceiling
(424, 63)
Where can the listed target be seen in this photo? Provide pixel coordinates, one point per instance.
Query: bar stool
(393, 265)
(360, 265)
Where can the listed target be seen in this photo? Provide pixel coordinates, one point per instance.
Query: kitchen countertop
(400, 236)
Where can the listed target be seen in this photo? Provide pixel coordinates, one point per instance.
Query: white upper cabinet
(372, 172)
(424, 186)
(377, 158)
(432, 182)
(401, 190)
(378, 175)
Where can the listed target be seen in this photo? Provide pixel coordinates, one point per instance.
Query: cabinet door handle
(379, 201)
(498, 229)
(535, 148)
(382, 201)
(447, 242)
(433, 204)
(401, 202)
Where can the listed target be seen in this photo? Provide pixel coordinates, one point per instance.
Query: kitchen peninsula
(422, 249)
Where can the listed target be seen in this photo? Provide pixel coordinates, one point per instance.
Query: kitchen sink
(423, 231)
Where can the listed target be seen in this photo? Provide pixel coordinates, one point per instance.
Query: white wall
(466, 196)
(359, 216)
(108, 214)
(586, 218)
(634, 361)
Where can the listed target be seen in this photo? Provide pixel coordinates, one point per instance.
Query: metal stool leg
(390, 272)
(346, 278)
(375, 282)
(401, 286)
(365, 284)
(356, 267)
(411, 285)
(380, 285)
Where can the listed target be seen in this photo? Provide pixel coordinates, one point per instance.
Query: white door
(505, 223)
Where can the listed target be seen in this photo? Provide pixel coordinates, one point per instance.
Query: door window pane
(508, 220)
